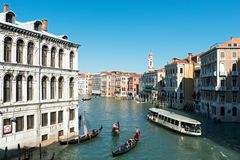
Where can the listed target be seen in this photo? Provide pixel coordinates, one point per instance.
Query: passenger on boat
(115, 125)
(137, 135)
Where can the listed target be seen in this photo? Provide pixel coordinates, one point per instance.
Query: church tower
(150, 61)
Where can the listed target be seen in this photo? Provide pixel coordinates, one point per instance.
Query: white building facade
(38, 79)
(96, 84)
(83, 83)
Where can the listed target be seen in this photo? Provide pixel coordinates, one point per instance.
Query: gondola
(116, 131)
(94, 133)
(124, 148)
(86, 99)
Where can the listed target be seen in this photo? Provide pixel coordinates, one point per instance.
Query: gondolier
(116, 129)
(137, 135)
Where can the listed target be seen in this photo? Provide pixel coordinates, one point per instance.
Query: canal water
(219, 141)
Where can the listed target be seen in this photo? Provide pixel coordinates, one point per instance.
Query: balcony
(221, 88)
(234, 73)
(207, 87)
(222, 73)
(209, 74)
(235, 88)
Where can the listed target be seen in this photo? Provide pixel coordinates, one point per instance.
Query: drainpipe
(39, 93)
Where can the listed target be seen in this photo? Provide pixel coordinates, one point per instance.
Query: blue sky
(118, 34)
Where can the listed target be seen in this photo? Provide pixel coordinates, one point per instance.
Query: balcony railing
(221, 88)
(235, 88)
(234, 73)
(222, 73)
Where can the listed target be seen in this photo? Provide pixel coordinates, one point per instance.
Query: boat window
(162, 117)
(168, 120)
(165, 118)
(176, 122)
(172, 121)
(191, 127)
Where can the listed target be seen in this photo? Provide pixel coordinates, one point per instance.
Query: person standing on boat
(137, 135)
(115, 125)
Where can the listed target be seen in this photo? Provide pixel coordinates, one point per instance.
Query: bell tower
(150, 61)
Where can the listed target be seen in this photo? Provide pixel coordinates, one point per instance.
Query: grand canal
(219, 141)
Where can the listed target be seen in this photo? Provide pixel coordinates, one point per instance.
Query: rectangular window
(214, 110)
(222, 82)
(71, 129)
(181, 70)
(234, 97)
(222, 98)
(19, 124)
(222, 111)
(234, 82)
(53, 118)
(234, 54)
(60, 133)
(30, 122)
(44, 119)
(7, 126)
(60, 116)
(44, 137)
(71, 114)
(222, 55)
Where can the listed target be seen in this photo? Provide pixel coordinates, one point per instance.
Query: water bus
(175, 121)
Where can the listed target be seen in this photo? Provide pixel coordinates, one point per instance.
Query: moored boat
(175, 122)
(94, 133)
(86, 99)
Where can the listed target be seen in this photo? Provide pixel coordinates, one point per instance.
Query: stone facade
(36, 68)
(179, 80)
(220, 96)
(85, 84)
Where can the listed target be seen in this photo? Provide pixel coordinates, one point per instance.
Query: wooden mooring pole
(40, 150)
(19, 152)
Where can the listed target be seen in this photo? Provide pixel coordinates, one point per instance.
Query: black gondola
(94, 133)
(125, 148)
(86, 99)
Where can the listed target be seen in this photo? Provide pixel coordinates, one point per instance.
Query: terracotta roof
(186, 60)
(232, 40)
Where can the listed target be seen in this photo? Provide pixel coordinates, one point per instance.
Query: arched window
(53, 52)
(44, 55)
(30, 88)
(7, 49)
(234, 67)
(44, 88)
(7, 88)
(19, 57)
(71, 60)
(19, 88)
(71, 88)
(60, 87)
(53, 87)
(30, 53)
(60, 58)
(234, 111)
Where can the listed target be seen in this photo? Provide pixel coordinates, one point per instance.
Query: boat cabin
(175, 121)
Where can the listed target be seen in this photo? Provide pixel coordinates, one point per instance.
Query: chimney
(190, 57)
(174, 59)
(5, 8)
(45, 25)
